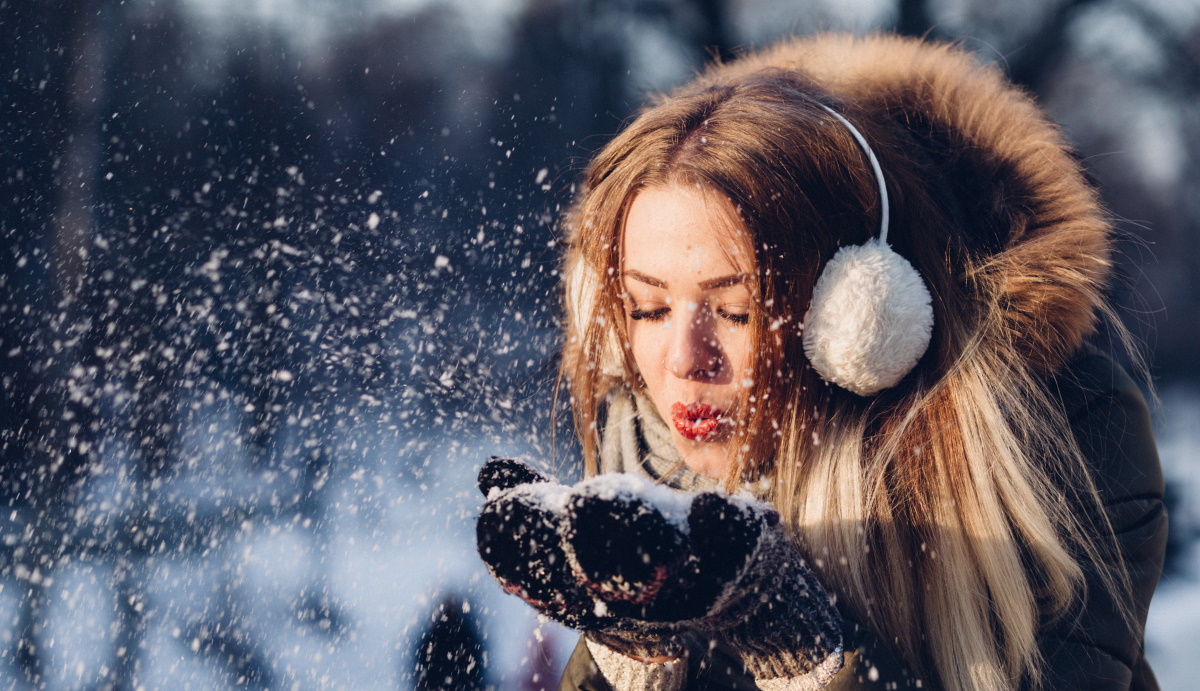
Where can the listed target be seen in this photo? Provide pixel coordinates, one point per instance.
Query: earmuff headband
(862, 143)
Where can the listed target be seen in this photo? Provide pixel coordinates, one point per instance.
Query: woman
(856, 277)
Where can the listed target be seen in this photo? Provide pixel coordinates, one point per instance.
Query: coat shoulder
(1110, 419)
(1095, 647)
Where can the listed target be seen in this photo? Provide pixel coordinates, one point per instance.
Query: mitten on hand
(519, 537)
(711, 562)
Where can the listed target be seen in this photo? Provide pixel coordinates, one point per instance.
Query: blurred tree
(1043, 51)
(913, 18)
(54, 93)
(449, 655)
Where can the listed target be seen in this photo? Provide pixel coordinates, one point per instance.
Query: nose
(693, 352)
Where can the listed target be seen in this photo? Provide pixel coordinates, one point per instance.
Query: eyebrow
(710, 284)
(723, 281)
(643, 278)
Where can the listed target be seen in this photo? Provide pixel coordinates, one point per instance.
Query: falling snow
(274, 283)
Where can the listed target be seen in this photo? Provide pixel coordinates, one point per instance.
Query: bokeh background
(277, 275)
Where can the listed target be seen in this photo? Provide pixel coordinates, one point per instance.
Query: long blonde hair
(937, 510)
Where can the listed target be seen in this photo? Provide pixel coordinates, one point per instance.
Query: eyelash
(661, 313)
(650, 315)
(739, 319)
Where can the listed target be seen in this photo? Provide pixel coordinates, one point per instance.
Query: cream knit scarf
(637, 440)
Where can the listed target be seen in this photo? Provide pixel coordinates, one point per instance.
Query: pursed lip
(697, 421)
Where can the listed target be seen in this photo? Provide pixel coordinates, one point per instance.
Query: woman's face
(687, 270)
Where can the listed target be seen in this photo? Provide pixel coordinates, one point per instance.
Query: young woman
(857, 278)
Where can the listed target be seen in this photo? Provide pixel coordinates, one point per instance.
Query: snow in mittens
(673, 505)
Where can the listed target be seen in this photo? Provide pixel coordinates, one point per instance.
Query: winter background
(278, 275)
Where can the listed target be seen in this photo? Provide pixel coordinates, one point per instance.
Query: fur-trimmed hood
(1009, 165)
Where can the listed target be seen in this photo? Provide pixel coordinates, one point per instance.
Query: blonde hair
(939, 510)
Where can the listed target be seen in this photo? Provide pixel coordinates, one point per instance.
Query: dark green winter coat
(1094, 650)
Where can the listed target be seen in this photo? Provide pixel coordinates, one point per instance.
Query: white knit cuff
(624, 673)
(818, 678)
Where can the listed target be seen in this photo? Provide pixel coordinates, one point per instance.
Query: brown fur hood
(1010, 168)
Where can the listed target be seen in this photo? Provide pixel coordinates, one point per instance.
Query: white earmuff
(582, 295)
(871, 316)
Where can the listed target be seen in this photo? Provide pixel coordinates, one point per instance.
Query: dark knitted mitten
(519, 537)
(631, 564)
(710, 562)
(505, 473)
(778, 615)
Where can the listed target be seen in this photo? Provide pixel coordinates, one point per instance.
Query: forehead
(684, 229)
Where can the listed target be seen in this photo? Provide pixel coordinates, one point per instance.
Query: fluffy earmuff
(871, 316)
(583, 293)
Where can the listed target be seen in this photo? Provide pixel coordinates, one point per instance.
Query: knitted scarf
(637, 440)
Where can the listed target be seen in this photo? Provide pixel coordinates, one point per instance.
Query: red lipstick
(696, 421)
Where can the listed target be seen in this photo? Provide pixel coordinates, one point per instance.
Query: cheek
(739, 349)
(649, 350)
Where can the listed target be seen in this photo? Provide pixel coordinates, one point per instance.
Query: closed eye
(649, 315)
(735, 317)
